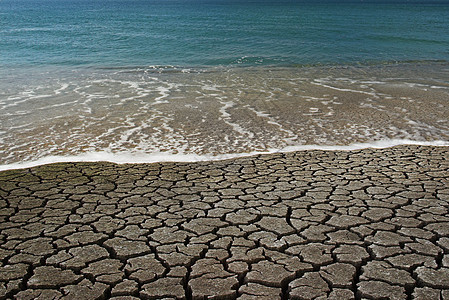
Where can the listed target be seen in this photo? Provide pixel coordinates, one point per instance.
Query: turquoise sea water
(214, 77)
(189, 33)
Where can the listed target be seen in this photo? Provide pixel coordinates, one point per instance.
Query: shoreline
(144, 158)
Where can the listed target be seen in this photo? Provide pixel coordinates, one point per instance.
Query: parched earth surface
(367, 224)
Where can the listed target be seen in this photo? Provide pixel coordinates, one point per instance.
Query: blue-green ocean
(189, 33)
(211, 78)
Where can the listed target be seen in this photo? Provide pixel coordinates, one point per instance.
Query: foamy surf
(220, 114)
(140, 157)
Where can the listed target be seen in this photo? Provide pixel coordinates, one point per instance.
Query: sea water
(145, 80)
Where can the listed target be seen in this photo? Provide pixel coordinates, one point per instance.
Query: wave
(246, 63)
(158, 157)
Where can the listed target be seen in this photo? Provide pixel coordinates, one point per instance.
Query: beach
(367, 223)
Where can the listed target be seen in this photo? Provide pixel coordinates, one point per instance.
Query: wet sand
(332, 224)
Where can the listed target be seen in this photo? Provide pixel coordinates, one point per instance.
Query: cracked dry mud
(366, 224)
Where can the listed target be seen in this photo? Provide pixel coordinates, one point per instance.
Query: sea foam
(157, 157)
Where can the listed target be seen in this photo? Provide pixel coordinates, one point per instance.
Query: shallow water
(222, 111)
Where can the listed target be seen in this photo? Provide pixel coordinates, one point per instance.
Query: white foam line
(225, 116)
(317, 82)
(271, 120)
(164, 93)
(61, 89)
(141, 157)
